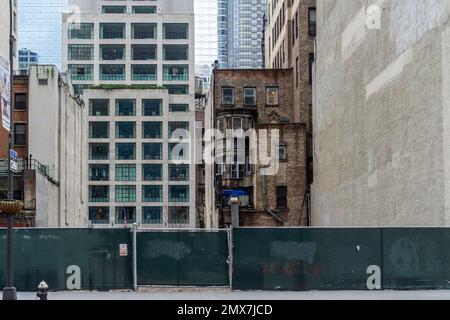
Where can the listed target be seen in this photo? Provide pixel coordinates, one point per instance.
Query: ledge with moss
(122, 86)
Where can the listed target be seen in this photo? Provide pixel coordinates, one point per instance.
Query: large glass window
(125, 193)
(99, 215)
(99, 130)
(227, 95)
(152, 215)
(99, 107)
(112, 30)
(143, 72)
(125, 215)
(143, 31)
(179, 151)
(250, 96)
(178, 215)
(151, 130)
(140, 52)
(176, 31)
(81, 52)
(176, 52)
(125, 151)
(177, 88)
(144, 9)
(98, 151)
(152, 151)
(112, 72)
(125, 172)
(81, 31)
(152, 194)
(174, 72)
(152, 107)
(178, 129)
(178, 172)
(114, 9)
(98, 193)
(152, 172)
(125, 107)
(178, 107)
(81, 71)
(125, 129)
(98, 172)
(112, 52)
(178, 193)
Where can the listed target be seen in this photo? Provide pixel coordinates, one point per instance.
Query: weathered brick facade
(265, 209)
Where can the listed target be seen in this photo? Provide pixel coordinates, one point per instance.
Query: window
(125, 172)
(143, 30)
(282, 197)
(176, 52)
(311, 63)
(152, 215)
(125, 193)
(282, 153)
(175, 31)
(177, 89)
(151, 151)
(143, 72)
(98, 151)
(178, 172)
(20, 134)
(237, 171)
(151, 130)
(112, 72)
(144, 9)
(175, 72)
(178, 151)
(152, 172)
(152, 194)
(152, 107)
(112, 52)
(112, 30)
(141, 52)
(178, 129)
(125, 215)
(81, 52)
(272, 96)
(296, 72)
(178, 215)
(178, 193)
(125, 107)
(114, 9)
(125, 151)
(125, 129)
(81, 71)
(250, 96)
(99, 107)
(81, 31)
(98, 172)
(99, 130)
(237, 123)
(99, 215)
(20, 101)
(228, 96)
(178, 107)
(98, 193)
(312, 22)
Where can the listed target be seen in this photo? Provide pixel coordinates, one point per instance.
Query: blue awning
(235, 193)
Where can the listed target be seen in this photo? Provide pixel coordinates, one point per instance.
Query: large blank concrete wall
(381, 114)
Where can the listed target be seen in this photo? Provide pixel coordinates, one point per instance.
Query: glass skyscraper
(206, 51)
(240, 33)
(40, 23)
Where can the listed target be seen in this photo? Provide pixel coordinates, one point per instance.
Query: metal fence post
(230, 255)
(135, 286)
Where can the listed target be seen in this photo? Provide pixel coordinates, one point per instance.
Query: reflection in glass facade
(40, 24)
(240, 33)
(205, 38)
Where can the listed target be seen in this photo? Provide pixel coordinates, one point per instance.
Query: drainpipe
(59, 153)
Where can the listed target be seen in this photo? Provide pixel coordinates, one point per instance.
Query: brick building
(255, 99)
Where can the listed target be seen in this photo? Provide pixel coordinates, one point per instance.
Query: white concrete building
(140, 58)
(4, 31)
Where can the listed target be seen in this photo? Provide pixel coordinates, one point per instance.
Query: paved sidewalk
(163, 294)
